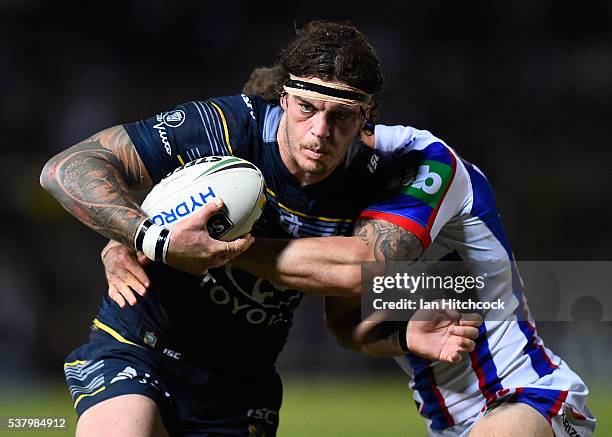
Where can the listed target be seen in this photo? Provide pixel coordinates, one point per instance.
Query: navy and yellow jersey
(233, 320)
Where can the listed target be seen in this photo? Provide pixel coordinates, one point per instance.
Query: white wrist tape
(153, 240)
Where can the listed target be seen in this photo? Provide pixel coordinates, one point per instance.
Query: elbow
(47, 175)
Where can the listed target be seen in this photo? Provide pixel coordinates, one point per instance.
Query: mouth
(314, 154)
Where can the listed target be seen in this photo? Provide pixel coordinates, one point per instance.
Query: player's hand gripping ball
(188, 188)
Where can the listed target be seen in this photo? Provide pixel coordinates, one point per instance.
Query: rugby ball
(188, 188)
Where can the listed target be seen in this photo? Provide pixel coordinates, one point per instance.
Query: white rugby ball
(188, 188)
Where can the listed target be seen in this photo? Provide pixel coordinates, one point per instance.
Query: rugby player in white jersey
(509, 378)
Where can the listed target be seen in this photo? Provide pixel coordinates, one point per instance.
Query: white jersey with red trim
(450, 207)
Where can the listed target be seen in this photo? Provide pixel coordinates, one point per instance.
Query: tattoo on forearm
(389, 241)
(92, 181)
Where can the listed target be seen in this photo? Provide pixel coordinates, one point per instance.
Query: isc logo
(269, 416)
(427, 180)
(172, 354)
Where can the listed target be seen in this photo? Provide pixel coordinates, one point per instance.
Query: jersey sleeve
(219, 126)
(438, 192)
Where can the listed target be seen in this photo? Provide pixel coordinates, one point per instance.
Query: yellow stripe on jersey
(74, 363)
(180, 159)
(301, 214)
(84, 395)
(261, 201)
(227, 140)
(113, 333)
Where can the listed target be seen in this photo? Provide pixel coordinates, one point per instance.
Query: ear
(283, 101)
(363, 122)
(367, 139)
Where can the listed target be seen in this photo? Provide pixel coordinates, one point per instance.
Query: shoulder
(428, 160)
(428, 181)
(242, 107)
(400, 141)
(247, 116)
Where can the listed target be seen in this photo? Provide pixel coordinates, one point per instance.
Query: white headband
(315, 88)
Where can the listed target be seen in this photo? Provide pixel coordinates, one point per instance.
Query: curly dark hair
(327, 50)
(333, 51)
(266, 82)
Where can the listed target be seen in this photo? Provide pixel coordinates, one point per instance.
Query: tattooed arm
(432, 334)
(94, 180)
(329, 265)
(387, 241)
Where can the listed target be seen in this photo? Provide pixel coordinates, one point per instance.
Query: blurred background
(523, 89)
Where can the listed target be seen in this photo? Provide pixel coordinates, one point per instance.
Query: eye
(344, 117)
(306, 107)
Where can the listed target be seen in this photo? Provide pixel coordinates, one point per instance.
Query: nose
(321, 127)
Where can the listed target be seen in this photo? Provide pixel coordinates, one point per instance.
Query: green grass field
(323, 407)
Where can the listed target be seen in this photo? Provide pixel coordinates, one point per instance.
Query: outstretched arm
(329, 266)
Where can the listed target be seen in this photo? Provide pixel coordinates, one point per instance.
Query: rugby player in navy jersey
(446, 211)
(196, 355)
